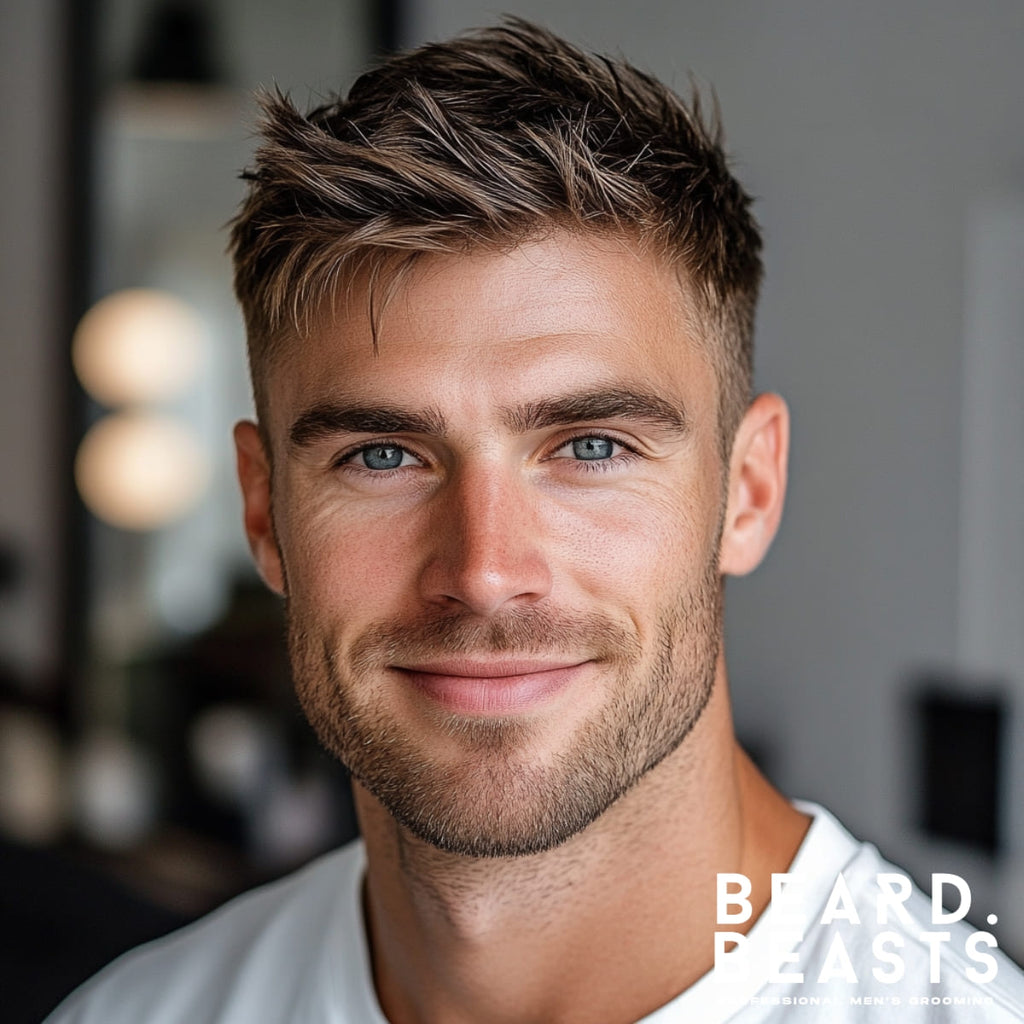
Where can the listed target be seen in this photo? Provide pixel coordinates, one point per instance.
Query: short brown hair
(483, 141)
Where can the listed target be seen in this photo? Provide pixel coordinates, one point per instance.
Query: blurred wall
(305, 46)
(302, 45)
(866, 130)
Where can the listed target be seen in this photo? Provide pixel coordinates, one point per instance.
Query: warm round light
(140, 471)
(138, 345)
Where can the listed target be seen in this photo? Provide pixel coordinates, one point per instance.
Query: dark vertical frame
(77, 204)
(387, 26)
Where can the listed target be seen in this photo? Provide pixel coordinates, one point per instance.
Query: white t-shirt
(295, 952)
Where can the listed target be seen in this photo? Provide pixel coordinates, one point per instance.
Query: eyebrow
(628, 403)
(328, 419)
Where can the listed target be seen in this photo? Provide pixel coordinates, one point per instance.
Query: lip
(499, 687)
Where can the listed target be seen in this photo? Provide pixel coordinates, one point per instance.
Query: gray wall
(867, 130)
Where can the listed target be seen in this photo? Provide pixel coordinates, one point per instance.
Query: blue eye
(592, 448)
(382, 456)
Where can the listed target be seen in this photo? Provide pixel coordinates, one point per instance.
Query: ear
(254, 476)
(757, 485)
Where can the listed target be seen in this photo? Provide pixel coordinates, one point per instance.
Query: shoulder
(255, 958)
(877, 940)
(848, 937)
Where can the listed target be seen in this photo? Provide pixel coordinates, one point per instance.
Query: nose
(486, 546)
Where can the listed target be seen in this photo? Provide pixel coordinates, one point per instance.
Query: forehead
(473, 328)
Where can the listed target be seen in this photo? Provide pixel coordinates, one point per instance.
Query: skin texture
(504, 609)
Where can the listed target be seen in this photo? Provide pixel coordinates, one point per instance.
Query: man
(499, 305)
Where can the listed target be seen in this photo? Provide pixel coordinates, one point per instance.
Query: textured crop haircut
(480, 143)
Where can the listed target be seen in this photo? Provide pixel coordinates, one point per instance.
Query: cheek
(347, 562)
(638, 549)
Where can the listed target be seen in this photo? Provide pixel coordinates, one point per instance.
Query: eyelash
(628, 454)
(345, 459)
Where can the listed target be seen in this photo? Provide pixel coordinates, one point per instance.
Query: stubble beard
(497, 800)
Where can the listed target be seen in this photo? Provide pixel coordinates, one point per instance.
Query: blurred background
(153, 761)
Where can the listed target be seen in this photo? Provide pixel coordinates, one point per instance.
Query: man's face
(498, 537)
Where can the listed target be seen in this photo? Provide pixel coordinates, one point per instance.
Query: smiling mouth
(502, 686)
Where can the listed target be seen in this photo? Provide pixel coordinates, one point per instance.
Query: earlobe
(254, 477)
(757, 485)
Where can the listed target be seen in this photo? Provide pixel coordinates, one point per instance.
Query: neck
(609, 925)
